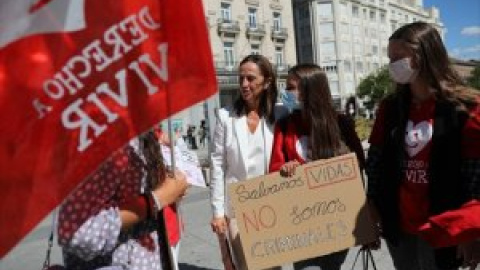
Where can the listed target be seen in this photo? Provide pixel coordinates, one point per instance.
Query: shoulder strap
(46, 263)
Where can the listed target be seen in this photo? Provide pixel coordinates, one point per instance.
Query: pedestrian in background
(111, 219)
(242, 144)
(424, 156)
(203, 133)
(313, 131)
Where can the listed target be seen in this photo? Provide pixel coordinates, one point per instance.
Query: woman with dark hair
(242, 144)
(314, 130)
(424, 159)
(111, 220)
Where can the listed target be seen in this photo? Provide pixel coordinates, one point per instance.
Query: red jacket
(291, 129)
(453, 227)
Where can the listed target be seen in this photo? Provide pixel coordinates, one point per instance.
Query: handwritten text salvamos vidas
(325, 174)
(263, 190)
(94, 58)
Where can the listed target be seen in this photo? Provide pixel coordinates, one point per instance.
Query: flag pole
(172, 138)
(168, 263)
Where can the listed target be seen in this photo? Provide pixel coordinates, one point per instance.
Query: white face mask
(401, 71)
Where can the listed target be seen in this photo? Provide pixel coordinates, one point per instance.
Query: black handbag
(366, 258)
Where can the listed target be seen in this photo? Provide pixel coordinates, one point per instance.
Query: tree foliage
(474, 79)
(374, 87)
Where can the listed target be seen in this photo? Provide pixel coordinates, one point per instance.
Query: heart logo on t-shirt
(417, 136)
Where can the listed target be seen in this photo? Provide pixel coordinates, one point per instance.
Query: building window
(394, 26)
(344, 10)
(372, 15)
(375, 49)
(346, 49)
(226, 11)
(349, 88)
(355, 12)
(356, 30)
(252, 17)
(255, 49)
(334, 88)
(347, 66)
(325, 10)
(359, 67)
(326, 30)
(228, 54)
(345, 28)
(277, 21)
(382, 17)
(358, 48)
(328, 50)
(364, 13)
(279, 56)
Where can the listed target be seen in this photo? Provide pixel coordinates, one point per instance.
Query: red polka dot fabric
(89, 223)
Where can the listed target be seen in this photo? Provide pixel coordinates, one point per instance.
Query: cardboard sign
(319, 210)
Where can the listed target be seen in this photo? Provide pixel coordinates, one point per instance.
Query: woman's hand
(470, 253)
(288, 169)
(164, 139)
(172, 188)
(219, 225)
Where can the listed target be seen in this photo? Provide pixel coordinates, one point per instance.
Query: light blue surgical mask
(289, 100)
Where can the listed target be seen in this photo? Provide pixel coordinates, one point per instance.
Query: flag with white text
(78, 79)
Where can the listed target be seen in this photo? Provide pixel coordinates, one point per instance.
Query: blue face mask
(290, 100)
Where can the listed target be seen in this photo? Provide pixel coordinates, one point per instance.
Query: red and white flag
(78, 79)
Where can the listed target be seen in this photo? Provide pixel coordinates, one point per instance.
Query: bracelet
(157, 206)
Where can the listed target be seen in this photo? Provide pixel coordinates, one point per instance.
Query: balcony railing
(228, 26)
(228, 68)
(279, 33)
(231, 69)
(255, 30)
(281, 69)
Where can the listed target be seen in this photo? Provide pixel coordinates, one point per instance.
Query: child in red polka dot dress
(109, 220)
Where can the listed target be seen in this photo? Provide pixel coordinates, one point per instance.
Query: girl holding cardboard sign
(314, 130)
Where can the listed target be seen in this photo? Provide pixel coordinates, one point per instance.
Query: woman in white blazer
(242, 144)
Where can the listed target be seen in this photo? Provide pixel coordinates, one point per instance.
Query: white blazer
(228, 158)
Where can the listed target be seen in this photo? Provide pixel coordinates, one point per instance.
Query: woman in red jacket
(314, 130)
